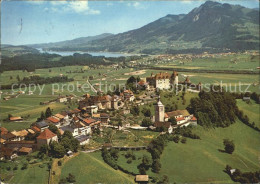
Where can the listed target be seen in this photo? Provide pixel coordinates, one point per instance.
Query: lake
(70, 53)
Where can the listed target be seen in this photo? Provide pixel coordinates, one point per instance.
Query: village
(98, 113)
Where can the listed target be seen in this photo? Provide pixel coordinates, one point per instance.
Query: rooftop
(46, 134)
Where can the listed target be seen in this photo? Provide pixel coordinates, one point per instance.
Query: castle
(163, 80)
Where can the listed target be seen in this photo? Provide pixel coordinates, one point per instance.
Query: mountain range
(211, 27)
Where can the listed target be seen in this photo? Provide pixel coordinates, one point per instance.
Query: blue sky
(26, 22)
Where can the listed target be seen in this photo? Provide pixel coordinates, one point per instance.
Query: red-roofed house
(54, 120)
(46, 137)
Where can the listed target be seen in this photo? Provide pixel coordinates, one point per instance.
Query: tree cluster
(246, 177)
(214, 109)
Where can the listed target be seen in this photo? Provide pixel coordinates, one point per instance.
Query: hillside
(10, 51)
(211, 27)
(71, 44)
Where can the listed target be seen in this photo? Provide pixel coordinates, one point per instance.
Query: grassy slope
(251, 110)
(33, 174)
(200, 160)
(90, 168)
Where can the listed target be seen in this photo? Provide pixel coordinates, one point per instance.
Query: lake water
(70, 53)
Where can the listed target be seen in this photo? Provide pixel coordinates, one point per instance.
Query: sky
(27, 22)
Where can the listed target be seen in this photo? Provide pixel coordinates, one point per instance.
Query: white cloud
(136, 5)
(72, 6)
(186, 2)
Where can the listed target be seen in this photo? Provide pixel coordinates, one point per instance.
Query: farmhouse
(41, 125)
(18, 118)
(46, 137)
(141, 178)
(20, 135)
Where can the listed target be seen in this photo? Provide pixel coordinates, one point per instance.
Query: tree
(146, 162)
(147, 112)
(48, 112)
(142, 170)
(176, 138)
(71, 178)
(53, 128)
(156, 166)
(183, 140)
(18, 78)
(57, 150)
(135, 110)
(120, 124)
(229, 146)
(173, 121)
(165, 179)
(227, 169)
(44, 149)
(147, 122)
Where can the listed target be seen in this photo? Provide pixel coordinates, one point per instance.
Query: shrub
(129, 161)
(229, 146)
(183, 140)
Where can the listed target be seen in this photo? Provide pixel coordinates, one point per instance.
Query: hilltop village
(94, 113)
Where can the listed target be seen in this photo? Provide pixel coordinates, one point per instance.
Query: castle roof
(162, 76)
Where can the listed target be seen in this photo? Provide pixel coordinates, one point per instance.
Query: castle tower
(159, 111)
(174, 78)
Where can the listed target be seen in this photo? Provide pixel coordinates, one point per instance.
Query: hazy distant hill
(78, 42)
(212, 26)
(10, 50)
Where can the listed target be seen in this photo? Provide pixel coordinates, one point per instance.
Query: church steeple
(159, 111)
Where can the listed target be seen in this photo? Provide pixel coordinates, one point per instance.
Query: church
(161, 119)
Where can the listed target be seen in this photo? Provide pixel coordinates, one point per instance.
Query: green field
(90, 168)
(233, 62)
(200, 160)
(35, 173)
(251, 109)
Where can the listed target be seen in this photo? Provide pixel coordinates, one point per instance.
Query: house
(54, 120)
(17, 118)
(3, 131)
(83, 139)
(71, 128)
(8, 137)
(42, 125)
(141, 178)
(193, 121)
(143, 85)
(104, 118)
(25, 151)
(91, 109)
(115, 102)
(7, 153)
(20, 135)
(36, 129)
(127, 95)
(46, 137)
(102, 102)
(82, 128)
(62, 99)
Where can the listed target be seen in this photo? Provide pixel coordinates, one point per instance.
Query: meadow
(90, 168)
(37, 171)
(251, 109)
(235, 62)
